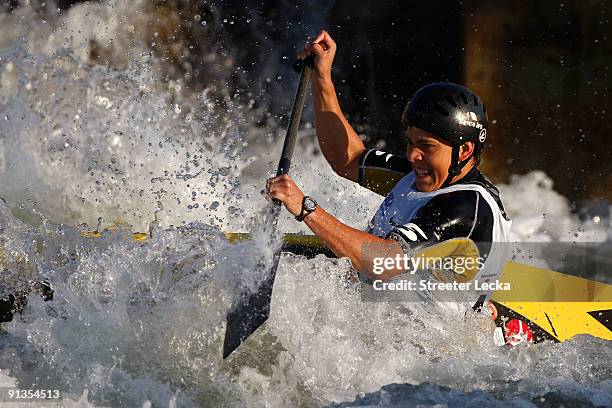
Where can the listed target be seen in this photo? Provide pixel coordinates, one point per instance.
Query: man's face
(430, 157)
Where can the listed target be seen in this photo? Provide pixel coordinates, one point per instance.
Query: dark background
(541, 66)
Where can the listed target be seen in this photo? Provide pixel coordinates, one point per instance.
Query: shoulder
(462, 204)
(380, 171)
(384, 160)
(459, 213)
(482, 181)
(454, 214)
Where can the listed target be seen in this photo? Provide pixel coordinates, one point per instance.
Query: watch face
(310, 204)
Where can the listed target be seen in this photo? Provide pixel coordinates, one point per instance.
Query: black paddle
(245, 317)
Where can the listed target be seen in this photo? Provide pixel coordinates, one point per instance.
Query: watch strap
(304, 211)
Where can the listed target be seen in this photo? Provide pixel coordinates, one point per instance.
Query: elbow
(386, 276)
(348, 171)
(375, 271)
(383, 260)
(383, 277)
(340, 171)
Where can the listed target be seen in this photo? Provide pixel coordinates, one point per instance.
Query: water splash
(84, 143)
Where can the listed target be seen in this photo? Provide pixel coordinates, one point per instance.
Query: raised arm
(338, 140)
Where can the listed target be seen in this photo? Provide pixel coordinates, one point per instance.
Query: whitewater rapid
(140, 323)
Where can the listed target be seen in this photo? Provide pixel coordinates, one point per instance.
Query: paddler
(433, 194)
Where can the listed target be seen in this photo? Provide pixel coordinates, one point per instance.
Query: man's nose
(414, 154)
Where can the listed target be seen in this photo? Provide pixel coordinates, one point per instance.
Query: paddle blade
(248, 315)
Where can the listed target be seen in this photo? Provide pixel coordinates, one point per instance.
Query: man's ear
(466, 150)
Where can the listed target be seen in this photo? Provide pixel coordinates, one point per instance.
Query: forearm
(338, 141)
(364, 250)
(359, 246)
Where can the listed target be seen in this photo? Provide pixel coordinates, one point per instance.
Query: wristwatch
(308, 205)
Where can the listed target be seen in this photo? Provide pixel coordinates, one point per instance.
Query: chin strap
(455, 167)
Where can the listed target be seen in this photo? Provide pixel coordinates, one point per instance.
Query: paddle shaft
(284, 164)
(294, 121)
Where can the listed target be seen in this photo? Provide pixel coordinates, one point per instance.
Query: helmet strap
(455, 167)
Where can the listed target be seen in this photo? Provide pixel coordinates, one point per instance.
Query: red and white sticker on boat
(517, 332)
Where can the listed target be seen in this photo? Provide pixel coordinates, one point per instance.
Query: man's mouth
(422, 172)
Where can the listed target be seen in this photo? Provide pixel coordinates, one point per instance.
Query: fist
(284, 189)
(324, 49)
